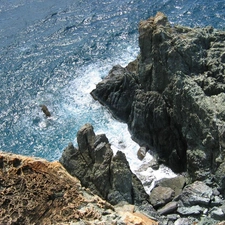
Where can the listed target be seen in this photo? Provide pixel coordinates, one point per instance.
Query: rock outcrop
(173, 97)
(45, 110)
(95, 166)
(34, 191)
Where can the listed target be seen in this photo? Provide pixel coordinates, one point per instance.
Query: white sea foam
(79, 103)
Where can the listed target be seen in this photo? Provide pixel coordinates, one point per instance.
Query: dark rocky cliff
(106, 175)
(172, 96)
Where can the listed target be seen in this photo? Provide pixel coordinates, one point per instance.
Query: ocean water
(54, 52)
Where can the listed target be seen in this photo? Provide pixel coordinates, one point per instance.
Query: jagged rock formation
(34, 191)
(172, 96)
(106, 175)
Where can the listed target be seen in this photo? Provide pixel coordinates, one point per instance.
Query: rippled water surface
(53, 52)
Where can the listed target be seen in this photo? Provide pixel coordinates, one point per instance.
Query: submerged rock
(45, 110)
(106, 175)
(173, 96)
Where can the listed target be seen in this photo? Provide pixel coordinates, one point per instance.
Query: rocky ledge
(173, 97)
(34, 191)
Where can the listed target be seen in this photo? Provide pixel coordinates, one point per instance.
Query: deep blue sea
(54, 52)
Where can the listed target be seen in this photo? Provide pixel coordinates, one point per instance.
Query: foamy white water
(77, 99)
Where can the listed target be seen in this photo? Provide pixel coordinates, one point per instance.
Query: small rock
(216, 192)
(217, 213)
(168, 208)
(197, 193)
(161, 195)
(170, 222)
(205, 212)
(182, 221)
(141, 153)
(216, 201)
(173, 217)
(206, 221)
(193, 210)
(175, 183)
(223, 207)
(45, 110)
(148, 209)
(154, 164)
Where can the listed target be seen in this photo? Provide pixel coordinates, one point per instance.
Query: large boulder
(173, 95)
(95, 166)
(197, 193)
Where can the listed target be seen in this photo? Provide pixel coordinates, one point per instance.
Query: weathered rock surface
(106, 175)
(197, 193)
(168, 208)
(187, 211)
(34, 191)
(173, 96)
(161, 195)
(176, 183)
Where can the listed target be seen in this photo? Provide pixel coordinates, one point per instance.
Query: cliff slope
(35, 191)
(172, 96)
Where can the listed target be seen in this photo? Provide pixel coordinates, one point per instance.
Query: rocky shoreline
(173, 99)
(172, 200)
(35, 191)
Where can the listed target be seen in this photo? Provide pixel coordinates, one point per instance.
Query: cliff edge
(173, 97)
(34, 191)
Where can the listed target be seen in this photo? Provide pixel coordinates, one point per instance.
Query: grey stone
(216, 201)
(197, 193)
(170, 223)
(217, 213)
(176, 183)
(205, 220)
(193, 210)
(160, 196)
(173, 217)
(168, 208)
(154, 164)
(148, 210)
(223, 207)
(120, 178)
(221, 178)
(182, 221)
(216, 192)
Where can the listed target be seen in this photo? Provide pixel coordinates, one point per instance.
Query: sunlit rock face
(172, 96)
(35, 191)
